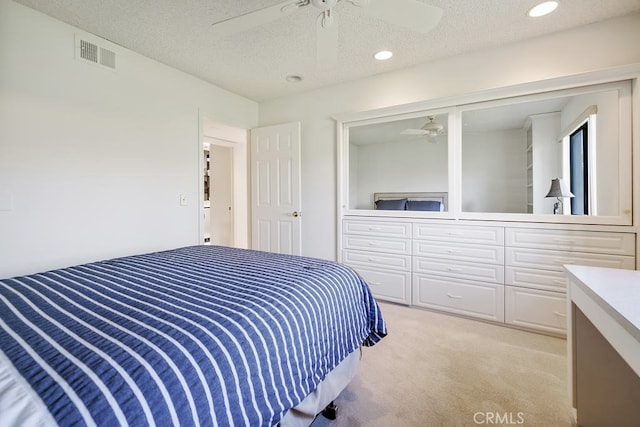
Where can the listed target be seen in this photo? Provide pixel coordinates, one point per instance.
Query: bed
(201, 335)
(411, 201)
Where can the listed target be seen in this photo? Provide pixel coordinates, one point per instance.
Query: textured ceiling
(255, 63)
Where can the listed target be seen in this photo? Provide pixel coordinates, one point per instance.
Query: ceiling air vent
(92, 52)
(107, 58)
(88, 51)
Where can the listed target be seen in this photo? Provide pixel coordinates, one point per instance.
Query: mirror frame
(624, 79)
(624, 149)
(451, 124)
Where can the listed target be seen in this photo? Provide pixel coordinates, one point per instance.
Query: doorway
(218, 194)
(224, 189)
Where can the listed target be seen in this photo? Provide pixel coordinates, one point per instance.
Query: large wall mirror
(398, 161)
(552, 156)
(559, 153)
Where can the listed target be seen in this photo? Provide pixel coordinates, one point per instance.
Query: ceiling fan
(411, 14)
(430, 129)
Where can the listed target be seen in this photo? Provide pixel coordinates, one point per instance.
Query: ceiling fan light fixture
(431, 130)
(383, 55)
(543, 9)
(432, 127)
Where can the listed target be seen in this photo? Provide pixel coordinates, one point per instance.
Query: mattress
(202, 335)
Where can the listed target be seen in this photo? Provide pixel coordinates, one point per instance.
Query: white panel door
(221, 195)
(275, 189)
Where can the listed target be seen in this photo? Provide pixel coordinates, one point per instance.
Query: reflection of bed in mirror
(411, 201)
(508, 151)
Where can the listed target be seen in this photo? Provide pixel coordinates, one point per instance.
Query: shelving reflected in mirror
(512, 150)
(496, 159)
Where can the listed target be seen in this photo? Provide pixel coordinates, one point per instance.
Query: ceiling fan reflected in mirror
(410, 14)
(430, 129)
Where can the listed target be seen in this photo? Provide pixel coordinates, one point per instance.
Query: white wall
(494, 171)
(399, 166)
(615, 43)
(93, 161)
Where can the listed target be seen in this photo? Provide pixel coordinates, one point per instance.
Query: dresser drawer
(536, 309)
(459, 234)
(572, 240)
(550, 280)
(380, 260)
(387, 285)
(554, 260)
(460, 252)
(492, 273)
(465, 297)
(377, 244)
(377, 228)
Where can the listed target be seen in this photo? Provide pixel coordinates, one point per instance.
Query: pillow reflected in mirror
(424, 205)
(391, 204)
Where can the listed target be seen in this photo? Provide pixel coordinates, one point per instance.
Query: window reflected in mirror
(512, 152)
(400, 164)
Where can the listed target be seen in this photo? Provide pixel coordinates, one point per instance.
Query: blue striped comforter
(202, 335)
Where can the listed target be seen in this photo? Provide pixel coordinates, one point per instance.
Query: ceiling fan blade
(410, 14)
(327, 39)
(414, 132)
(255, 18)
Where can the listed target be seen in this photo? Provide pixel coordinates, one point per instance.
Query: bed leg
(331, 411)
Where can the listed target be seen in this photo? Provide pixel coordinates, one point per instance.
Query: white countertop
(616, 291)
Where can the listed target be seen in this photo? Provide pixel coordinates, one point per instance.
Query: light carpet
(439, 370)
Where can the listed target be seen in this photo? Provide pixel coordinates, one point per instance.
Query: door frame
(236, 138)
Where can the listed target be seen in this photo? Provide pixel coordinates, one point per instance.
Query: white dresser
(459, 269)
(492, 271)
(380, 251)
(535, 291)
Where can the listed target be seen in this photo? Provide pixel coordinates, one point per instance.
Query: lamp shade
(559, 189)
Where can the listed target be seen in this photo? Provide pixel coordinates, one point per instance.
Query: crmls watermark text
(505, 418)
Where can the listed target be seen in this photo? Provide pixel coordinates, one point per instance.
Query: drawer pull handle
(453, 251)
(454, 270)
(374, 283)
(453, 233)
(372, 260)
(568, 242)
(454, 296)
(374, 244)
(374, 228)
(557, 313)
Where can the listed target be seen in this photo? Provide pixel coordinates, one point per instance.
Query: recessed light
(293, 79)
(383, 55)
(543, 9)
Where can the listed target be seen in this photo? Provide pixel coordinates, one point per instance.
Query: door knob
(295, 214)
